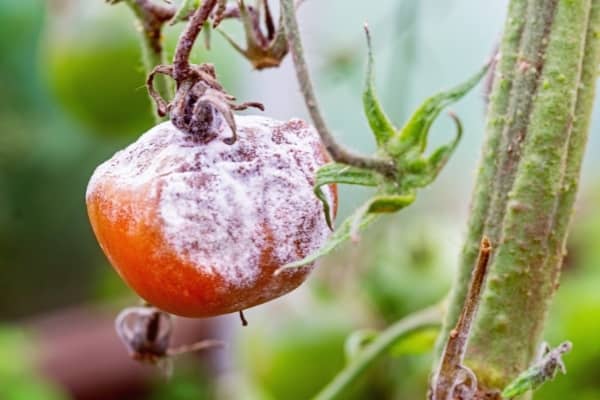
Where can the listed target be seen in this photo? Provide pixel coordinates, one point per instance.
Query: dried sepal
(199, 102)
(162, 107)
(263, 49)
(146, 332)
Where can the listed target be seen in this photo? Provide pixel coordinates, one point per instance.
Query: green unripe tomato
(93, 66)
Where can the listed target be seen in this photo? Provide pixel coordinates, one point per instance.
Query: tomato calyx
(200, 101)
(263, 49)
(146, 332)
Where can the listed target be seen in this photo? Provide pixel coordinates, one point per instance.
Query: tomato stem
(181, 60)
(336, 150)
(243, 318)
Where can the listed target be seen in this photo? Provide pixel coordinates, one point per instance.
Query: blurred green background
(72, 93)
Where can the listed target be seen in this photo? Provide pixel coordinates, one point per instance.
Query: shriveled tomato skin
(198, 229)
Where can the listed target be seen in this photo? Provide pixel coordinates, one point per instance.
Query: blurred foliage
(18, 379)
(90, 57)
(20, 27)
(186, 384)
(403, 275)
(294, 356)
(271, 354)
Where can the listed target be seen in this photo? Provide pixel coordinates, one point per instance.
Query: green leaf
(385, 203)
(341, 173)
(380, 124)
(413, 136)
(338, 237)
(390, 203)
(360, 219)
(425, 171)
(419, 342)
(187, 7)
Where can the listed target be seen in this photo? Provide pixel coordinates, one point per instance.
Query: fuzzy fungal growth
(198, 229)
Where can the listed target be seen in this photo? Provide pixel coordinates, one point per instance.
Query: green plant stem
(151, 18)
(526, 73)
(424, 319)
(579, 137)
(504, 73)
(536, 134)
(337, 152)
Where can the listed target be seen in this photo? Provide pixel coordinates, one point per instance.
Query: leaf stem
(427, 318)
(152, 17)
(337, 151)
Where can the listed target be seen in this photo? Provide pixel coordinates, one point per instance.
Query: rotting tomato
(198, 227)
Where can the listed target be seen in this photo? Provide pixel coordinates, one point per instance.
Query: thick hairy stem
(527, 69)
(337, 152)
(427, 318)
(498, 105)
(534, 182)
(579, 136)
